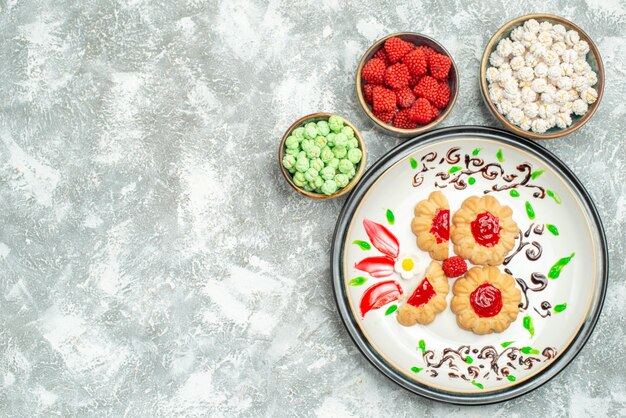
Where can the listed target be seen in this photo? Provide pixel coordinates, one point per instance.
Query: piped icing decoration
(379, 294)
(441, 225)
(382, 238)
(409, 265)
(422, 294)
(379, 266)
(486, 229)
(486, 300)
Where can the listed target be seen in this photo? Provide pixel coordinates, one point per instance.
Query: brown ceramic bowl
(315, 117)
(453, 83)
(593, 58)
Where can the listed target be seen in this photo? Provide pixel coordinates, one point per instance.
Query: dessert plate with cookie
(469, 265)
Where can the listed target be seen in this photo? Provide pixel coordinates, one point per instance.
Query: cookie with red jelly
(427, 300)
(483, 231)
(431, 225)
(485, 300)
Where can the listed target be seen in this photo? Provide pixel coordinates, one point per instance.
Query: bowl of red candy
(407, 83)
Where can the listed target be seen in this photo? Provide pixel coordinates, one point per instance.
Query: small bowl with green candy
(322, 156)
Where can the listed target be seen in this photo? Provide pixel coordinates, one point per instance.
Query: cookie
(427, 300)
(431, 225)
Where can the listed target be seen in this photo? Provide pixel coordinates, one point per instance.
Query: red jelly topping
(422, 294)
(486, 300)
(486, 229)
(441, 225)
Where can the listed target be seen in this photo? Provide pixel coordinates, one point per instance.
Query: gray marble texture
(153, 261)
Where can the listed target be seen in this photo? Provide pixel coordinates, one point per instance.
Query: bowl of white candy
(542, 76)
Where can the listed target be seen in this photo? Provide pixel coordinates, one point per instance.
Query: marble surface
(153, 262)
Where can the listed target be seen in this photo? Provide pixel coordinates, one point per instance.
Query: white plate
(441, 360)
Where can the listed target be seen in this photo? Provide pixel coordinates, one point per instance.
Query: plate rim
(578, 341)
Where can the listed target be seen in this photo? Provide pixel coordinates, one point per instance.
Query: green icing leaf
(413, 163)
(478, 385)
(529, 350)
(357, 281)
(506, 344)
(416, 369)
(499, 155)
(391, 309)
(511, 377)
(536, 174)
(528, 324)
(471, 180)
(555, 271)
(469, 360)
(530, 211)
(454, 169)
(476, 151)
(390, 218)
(554, 196)
(422, 346)
(514, 193)
(560, 308)
(553, 229)
(364, 245)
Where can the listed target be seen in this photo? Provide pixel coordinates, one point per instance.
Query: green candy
(329, 187)
(331, 139)
(341, 140)
(323, 128)
(335, 123)
(327, 154)
(298, 179)
(306, 144)
(328, 173)
(351, 173)
(354, 155)
(293, 151)
(334, 163)
(342, 180)
(292, 142)
(317, 164)
(300, 155)
(340, 152)
(345, 166)
(321, 141)
(308, 187)
(302, 164)
(289, 161)
(319, 182)
(352, 143)
(348, 131)
(311, 174)
(313, 152)
(298, 132)
(292, 170)
(310, 130)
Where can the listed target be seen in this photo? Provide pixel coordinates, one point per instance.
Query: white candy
(558, 31)
(531, 110)
(547, 97)
(566, 108)
(589, 95)
(496, 59)
(496, 93)
(592, 78)
(511, 91)
(517, 33)
(504, 106)
(492, 74)
(515, 115)
(545, 38)
(563, 120)
(571, 37)
(525, 123)
(505, 66)
(555, 72)
(505, 47)
(579, 107)
(559, 48)
(538, 50)
(531, 26)
(573, 95)
(564, 83)
(541, 70)
(526, 74)
(528, 38)
(561, 96)
(567, 68)
(531, 60)
(516, 63)
(539, 85)
(551, 58)
(581, 47)
(581, 66)
(569, 55)
(579, 82)
(517, 49)
(539, 125)
(528, 95)
(551, 121)
(545, 26)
